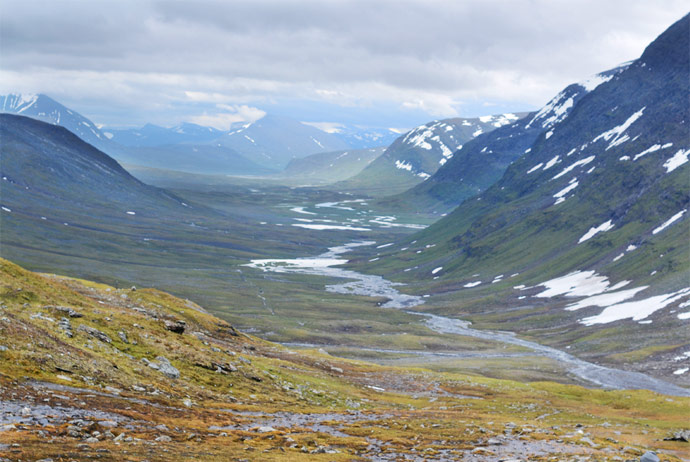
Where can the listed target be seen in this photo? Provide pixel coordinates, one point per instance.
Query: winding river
(376, 286)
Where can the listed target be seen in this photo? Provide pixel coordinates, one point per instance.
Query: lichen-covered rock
(164, 367)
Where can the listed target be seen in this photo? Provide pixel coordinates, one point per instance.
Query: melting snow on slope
(616, 135)
(472, 284)
(594, 81)
(576, 284)
(576, 164)
(327, 227)
(606, 299)
(636, 310)
(595, 230)
(669, 222)
(551, 163)
(536, 167)
(678, 159)
(301, 210)
(560, 195)
(436, 270)
(554, 111)
(403, 165)
(652, 148)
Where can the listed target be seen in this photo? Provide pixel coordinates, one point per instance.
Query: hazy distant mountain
(359, 137)
(274, 141)
(153, 135)
(48, 110)
(210, 159)
(329, 167)
(419, 153)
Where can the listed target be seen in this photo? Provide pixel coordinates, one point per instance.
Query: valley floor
(90, 371)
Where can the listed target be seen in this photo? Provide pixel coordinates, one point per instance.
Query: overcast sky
(377, 63)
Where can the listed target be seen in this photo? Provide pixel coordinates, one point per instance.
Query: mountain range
(261, 147)
(416, 155)
(567, 225)
(587, 230)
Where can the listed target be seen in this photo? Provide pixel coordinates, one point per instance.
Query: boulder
(649, 456)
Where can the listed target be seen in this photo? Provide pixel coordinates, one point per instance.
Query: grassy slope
(418, 411)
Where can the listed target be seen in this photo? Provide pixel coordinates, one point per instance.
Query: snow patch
(472, 284)
(669, 222)
(536, 167)
(606, 226)
(606, 299)
(551, 163)
(436, 270)
(576, 164)
(327, 227)
(616, 134)
(652, 148)
(594, 81)
(636, 310)
(678, 159)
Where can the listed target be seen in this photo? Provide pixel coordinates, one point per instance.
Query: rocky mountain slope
(47, 167)
(419, 153)
(585, 238)
(483, 160)
(92, 371)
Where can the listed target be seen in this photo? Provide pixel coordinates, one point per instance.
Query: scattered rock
(265, 429)
(163, 366)
(94, 333)
(681, 435)
(108, 423)
(494, 441)
(177, 327)
(123, 336)
(3, 348)
(649, 456)
(91, 440)
(65, 309)
(66, 325)
(187, 402)
(164, 439)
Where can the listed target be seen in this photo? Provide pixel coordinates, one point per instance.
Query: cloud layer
(125, 62)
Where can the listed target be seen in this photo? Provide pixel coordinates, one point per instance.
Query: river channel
(327, 264)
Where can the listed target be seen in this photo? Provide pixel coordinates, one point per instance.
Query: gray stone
(164, 439)
(649, 456)
(94, 333)
(165, 367)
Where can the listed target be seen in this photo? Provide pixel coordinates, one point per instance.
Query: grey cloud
(440, 50)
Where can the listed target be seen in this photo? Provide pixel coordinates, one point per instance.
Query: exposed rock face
(649, 456)
(164, 367)
(175, 326)
(95, 333)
